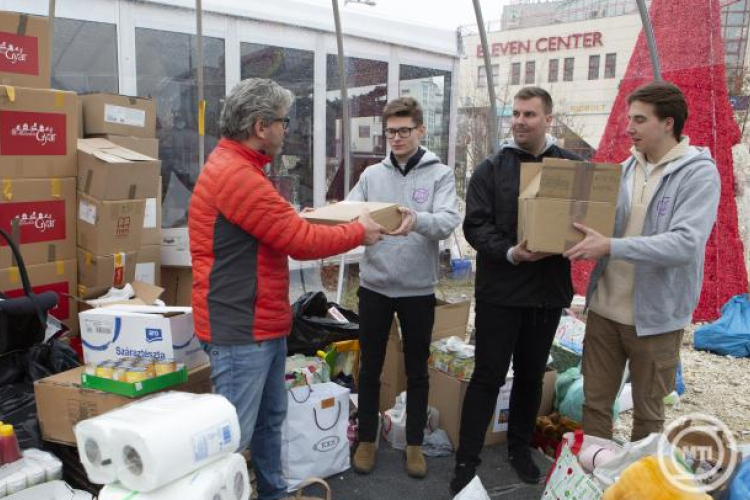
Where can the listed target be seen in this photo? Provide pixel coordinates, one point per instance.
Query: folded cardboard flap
(110, 152)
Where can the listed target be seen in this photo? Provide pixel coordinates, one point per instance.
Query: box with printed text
(141, 331)
(39, 214)
(24, 50)
(37, 133)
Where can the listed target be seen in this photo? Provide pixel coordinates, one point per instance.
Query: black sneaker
(462, 475)
(525, 467)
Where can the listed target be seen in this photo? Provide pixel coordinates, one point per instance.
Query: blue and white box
(110, 333)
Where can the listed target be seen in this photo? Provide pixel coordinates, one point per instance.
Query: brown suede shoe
(364, 458)
(416, 465)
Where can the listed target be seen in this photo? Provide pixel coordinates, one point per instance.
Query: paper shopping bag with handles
(314, 441)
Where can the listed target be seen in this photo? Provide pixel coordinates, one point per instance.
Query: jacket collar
(256, 158)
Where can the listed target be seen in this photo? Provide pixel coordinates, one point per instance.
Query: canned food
(148, 366)
(105, 370)
(164, 367)
(119, 373)
(136, 374)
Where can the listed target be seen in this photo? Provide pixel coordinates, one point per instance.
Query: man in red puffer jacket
(241, 235)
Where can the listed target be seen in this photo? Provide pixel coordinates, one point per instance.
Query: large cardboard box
(40, 215)
(59, 277)
(147, 146)
(447, 396)
(556, 193)
(178, 285)
(141, 331)
(110, 172)
(24, 50)
(148, 267)
(108, 227)
(385, 214)
(450, 320)
(99, 273)
(119, 114)
(37, 133)
(61, 402)
(175, 247)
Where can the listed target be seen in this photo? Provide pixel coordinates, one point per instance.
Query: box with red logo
(37, 133)
(24, 50)
(40, 215)
(119, 114)
(99, 273)
(109, 227)
(59, 277)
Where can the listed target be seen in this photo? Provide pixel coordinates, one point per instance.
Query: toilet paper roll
(224, 479)
(172, 439)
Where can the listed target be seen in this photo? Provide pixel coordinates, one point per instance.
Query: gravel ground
(716, 385)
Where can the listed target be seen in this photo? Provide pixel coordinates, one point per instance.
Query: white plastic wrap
(224, 479)
(153, 442)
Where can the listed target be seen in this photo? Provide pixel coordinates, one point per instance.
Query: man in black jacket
(519, 294)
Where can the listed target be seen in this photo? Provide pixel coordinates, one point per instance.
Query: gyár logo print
(29, 133)
(19, 54)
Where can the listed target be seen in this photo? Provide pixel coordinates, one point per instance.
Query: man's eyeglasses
(402, 132)
(284, 121)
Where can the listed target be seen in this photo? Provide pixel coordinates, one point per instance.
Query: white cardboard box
(142, 331)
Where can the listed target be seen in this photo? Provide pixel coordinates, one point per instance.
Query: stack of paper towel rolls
(225, 479)
(151, 444)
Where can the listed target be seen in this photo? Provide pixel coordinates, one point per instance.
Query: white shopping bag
(473, 491)
(314, 441)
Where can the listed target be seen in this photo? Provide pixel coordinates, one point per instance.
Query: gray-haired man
(242, 233)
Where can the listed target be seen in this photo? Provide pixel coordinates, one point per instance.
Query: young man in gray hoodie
(399, 275)
(648, 277)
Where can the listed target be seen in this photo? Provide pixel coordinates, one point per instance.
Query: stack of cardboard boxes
(119, 223)
(37, 165)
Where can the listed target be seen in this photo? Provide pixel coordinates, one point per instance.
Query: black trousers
(502, 333)
(416, 316)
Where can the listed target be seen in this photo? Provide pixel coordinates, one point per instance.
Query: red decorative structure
(691, 51)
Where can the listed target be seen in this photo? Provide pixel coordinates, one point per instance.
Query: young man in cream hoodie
(648, 278)
(399, 275)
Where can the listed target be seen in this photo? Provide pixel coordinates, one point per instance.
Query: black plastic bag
(312, 331)
(18, 370)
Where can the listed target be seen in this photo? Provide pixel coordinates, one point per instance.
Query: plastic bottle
(9, 449)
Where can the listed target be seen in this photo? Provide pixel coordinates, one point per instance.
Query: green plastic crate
(136, 389)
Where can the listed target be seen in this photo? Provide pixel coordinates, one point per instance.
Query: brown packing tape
(577, 213)
(60, 267)
(15, 235)
(23, 22)
(14, 275)
(89, 180)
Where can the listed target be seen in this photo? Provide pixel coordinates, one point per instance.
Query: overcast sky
(443, 13)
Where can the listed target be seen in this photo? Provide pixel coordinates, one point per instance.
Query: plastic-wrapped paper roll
(224, 479)
(95, 441)
(172, 440)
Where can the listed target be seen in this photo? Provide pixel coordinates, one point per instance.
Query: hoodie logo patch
(421, 195)
(662, 208)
